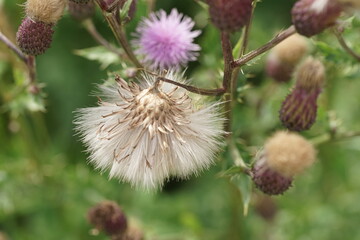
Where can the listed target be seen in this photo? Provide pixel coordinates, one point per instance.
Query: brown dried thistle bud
(81, 11)
(230, 15)
(284, 156)
(299, 110)
(34, 38)
(311, 17)
(283, 58)
(107, 216)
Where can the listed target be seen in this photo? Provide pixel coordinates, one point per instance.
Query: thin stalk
(90, 27)
(151, 5)
(344, 45)
(328, 137)
(114, 22)
(118, 31)
(29, 61)
(13, 47)
(201, 91)
(272, 43)
(244, 45)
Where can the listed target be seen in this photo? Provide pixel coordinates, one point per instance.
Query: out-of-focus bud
(265, 207)
(81, 11)
(107, 216)
(283, 58)
(34, 38)
(284, 156)
(311, 17)
(350, 3)
(298, 111)
(230, 15)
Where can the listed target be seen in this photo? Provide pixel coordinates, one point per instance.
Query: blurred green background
(46, 185)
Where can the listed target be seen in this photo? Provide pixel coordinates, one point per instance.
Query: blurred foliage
(46, 185)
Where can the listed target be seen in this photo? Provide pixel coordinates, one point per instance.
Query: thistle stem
(344, 45)
(114, 22)
(257, 52)
(201, 91)
(29, 60)
(13, 47)
(228, 71)
(328, 137)
(90, 27)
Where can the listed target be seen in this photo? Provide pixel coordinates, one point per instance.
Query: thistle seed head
(147, 133)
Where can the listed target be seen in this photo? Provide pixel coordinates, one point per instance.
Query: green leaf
(99, 54)
(243, 183)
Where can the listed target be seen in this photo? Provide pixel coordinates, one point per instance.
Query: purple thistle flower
(166, 41)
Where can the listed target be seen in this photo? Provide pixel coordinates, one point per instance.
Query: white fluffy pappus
(146, 133)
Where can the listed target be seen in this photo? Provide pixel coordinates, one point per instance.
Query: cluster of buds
(108, 217)
(81, 10)
(230, 15)
(311, 17)
(298, 111)
(284, 57)
(284, 156)
(34, 35)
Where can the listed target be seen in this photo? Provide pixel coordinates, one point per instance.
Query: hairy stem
(201, 91)
(90, 27)
(344, 45)
(257, 52)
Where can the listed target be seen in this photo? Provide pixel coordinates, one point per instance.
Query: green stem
(328, 137)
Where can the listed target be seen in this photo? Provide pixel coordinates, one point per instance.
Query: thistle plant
(188, 96)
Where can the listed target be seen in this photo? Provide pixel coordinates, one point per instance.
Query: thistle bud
(311, 17)
(230, 15)
(81, 11)
(298, 111)
(33, 37)
(107, 216)
(283, 58)
(284, 156)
